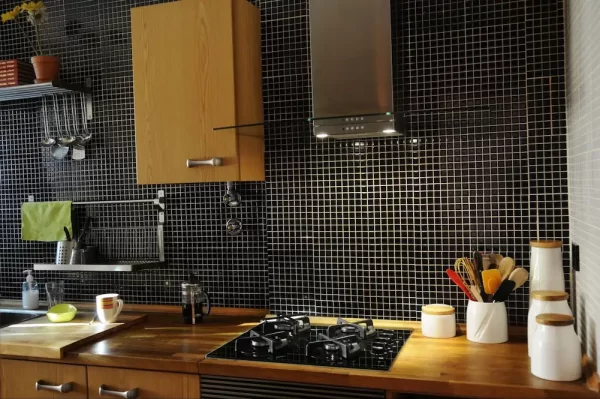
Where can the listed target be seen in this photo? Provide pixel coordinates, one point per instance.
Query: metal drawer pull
(63, 388)
(131, 394)
(211, 162)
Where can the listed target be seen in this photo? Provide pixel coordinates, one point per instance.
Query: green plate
(61, 313)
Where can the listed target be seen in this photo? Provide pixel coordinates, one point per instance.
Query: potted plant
(34, 12)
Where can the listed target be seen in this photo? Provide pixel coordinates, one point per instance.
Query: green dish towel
(44, 221)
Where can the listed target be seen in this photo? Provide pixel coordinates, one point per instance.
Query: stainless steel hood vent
(351, 51)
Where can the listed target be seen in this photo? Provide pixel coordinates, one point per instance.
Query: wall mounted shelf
(37, 90)
(121, 266)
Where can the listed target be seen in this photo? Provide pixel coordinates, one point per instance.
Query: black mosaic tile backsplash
(352, 228)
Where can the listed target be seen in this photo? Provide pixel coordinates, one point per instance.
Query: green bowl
(61, 313)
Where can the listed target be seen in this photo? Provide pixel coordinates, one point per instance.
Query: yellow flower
(32, 6)
(10, 15)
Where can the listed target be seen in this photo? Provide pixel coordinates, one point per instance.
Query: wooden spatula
(519, 276)
(506, 267)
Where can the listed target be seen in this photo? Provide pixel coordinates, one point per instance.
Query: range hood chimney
(351, 51)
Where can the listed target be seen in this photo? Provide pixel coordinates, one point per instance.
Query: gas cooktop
(293, 340)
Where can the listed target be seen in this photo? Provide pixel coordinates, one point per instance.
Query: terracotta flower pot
(45, 67)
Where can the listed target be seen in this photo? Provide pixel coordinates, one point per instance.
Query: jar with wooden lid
(545, 302)
(546, 269)
(438, 321)
(556, 350)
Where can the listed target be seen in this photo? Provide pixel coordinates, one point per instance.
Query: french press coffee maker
(193, 297)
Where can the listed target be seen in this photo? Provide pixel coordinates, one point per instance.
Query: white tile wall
(583, 135)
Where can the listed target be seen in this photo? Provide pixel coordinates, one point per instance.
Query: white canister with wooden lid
(546, 270)
(545, 302)
(438, 321)
(556, 350)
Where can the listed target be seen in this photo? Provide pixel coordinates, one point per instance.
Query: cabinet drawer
(18, 380)
(136, 384)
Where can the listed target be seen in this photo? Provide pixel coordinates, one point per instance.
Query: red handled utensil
(459, 282)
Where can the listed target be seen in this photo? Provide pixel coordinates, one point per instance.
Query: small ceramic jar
(546, 270)
(556, 350)
(438, 321)
(545, 302)
(487, 322)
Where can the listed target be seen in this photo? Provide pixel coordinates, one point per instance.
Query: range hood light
(344, 57)
(322, 135)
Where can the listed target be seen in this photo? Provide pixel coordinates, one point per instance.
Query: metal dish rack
(148, 240)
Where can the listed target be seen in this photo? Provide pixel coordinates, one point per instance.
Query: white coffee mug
(108, 307)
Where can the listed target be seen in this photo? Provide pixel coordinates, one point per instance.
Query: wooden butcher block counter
(447, 367)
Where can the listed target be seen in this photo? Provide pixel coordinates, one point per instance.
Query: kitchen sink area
(14, 316)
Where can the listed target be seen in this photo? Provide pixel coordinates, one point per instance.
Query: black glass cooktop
(368, 353)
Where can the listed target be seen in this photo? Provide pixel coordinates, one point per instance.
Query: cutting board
(41, 338)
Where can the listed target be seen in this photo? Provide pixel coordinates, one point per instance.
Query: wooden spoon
(476, 293)
(519, 276)
(495, 258)
(506, 267)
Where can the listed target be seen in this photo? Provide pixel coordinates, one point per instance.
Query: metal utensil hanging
(47, 141)
(70, 138)
(232, 198)
(59, 151)
(78, 147)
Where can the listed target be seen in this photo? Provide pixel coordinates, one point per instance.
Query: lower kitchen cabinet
(18, 380)
(136, 384)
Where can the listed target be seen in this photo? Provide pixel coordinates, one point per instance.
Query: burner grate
(315, 346)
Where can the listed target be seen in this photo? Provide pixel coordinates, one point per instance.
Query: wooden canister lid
(545, 244)
(438, 310)
(550, 296)
(554, 319)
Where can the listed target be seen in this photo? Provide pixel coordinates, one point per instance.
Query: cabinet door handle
(190, 163)
(62, 388)
(131, 394)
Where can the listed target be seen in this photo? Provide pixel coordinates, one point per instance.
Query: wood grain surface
(163, 343)
(197, 66)
(43, 339)
(452, 367)
(18, 378)
(150, 384)
(447, 367)
(183, 81)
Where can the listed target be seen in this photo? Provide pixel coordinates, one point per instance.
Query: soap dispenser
(31, 293)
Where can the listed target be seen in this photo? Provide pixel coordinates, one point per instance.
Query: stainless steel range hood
(351, 53)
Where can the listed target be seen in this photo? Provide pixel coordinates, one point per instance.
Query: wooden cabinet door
(184, 86)
(18, 380)
(149, 384)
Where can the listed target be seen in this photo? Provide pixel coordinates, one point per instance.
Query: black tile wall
(351, 228)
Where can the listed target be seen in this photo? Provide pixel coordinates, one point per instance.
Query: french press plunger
(192, 299)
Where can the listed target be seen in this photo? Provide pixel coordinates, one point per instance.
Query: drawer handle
(63, 388)
(190, 163)
(131, 394)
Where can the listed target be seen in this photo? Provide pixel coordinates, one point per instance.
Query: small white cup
(108, 307)
(487, 323)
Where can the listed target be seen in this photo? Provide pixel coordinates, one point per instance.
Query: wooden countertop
(449, 367)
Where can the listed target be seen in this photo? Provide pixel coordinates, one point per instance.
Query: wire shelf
(14, 93)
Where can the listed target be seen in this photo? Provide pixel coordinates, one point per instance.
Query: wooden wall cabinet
(141, 384)
(197, 66)
(18, 380)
